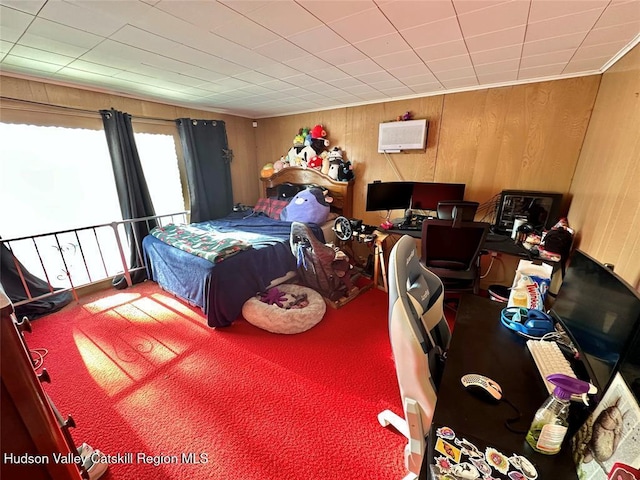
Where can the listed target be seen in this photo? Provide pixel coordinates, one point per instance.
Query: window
(60, 179)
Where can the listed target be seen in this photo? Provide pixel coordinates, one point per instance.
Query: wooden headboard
(342, 192)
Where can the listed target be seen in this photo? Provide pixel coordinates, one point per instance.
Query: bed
(220, 289)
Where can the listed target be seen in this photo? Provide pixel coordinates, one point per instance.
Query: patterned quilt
(203, 243)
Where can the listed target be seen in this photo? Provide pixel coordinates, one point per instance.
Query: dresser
(36, 441)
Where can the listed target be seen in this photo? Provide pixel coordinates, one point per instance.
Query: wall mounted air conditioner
(394, 137)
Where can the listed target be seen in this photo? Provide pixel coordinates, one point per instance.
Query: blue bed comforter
(221, 289)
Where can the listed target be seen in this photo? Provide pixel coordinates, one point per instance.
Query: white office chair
(419, 335)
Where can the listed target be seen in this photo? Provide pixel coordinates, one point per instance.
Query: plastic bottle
(550, 423)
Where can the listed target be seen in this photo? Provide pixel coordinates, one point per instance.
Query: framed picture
(610, 435)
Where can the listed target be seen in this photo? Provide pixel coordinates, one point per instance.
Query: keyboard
(549, 359)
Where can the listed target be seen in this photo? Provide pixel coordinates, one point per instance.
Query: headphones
(527, 322)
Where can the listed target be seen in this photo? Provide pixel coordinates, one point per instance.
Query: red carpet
(140, 372)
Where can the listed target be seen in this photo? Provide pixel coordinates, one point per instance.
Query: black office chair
(459, 211)
(419, 336)
(452, 251)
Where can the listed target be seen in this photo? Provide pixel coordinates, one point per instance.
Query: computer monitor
(426, 195)
(388, 196)
(601, 313)
(540, 209)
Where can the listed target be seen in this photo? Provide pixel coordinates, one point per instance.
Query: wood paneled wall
(244, 170)
(606, 188)
(521, 137)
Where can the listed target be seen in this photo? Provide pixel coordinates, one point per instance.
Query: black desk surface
(494, 243)
(481, 344)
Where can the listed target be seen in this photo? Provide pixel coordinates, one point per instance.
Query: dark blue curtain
(207, 160)
(133, 193)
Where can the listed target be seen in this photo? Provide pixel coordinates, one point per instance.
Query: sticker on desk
(446, 433)
(449, 450)
(497, 460)
(468, 448)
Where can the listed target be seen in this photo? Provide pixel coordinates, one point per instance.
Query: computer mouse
(482, 387)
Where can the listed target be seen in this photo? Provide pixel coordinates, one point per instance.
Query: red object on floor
(141, 373)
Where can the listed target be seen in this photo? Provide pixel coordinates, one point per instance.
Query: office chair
(459, 211)
(419, 337)
(452, 251)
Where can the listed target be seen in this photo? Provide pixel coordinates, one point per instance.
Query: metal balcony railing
(70, 259)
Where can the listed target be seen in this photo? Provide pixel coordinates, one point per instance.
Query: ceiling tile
(32, 7)
(467, 6)
(375, 77)
(497, 17)
(451, 63)
(133, 36)
(397, 60)
(410, 71)
(502, 38)
(496, 54)
(360, 67)
(547, 58)
(541, 71)
(284, 17)
(84, 19)
(580, 22)
(318, 39)
(500, 77)
(387, 44)
(545, 10)
(62, 33)
(129, 11)
(428, 88)
(368, 24)
(307, 64)
(13, 24)
(333, 11)
(552, 44)
(41, 55)
(245, 32)
(435, 33)
(596, 51)
(455, 73)
(624, 32)
(415, 80)
(620, 12)
(405, 14)
(89, 67)
(339, 56)
(586, 65)
(30, 64)
(281, 50)
(442, 50)
(278, 70)
(5, 46)
(497, 67)
(461, 82)
(208, 15)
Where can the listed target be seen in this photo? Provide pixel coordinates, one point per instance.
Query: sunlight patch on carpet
(109, 302)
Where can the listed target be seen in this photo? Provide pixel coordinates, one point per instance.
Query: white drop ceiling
(268, 58)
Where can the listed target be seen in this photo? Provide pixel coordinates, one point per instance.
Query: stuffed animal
(319, 141)
(308, 206)
(345, 172)
(334, 168)
(267, 170)
(279, 164)
(315, 162)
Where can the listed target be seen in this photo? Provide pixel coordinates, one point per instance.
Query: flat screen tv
(601, 313)
(388, 196)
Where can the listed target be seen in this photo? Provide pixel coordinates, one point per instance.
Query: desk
(480, 344)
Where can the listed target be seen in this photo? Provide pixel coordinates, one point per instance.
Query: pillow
(271, 207)
(308, 206)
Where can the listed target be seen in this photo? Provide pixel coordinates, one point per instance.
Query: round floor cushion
(306, 309)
